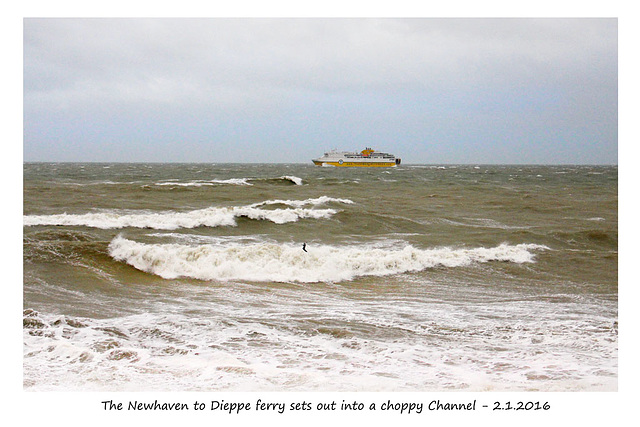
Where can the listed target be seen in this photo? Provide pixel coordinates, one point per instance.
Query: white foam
(288, 263)
(240, 340)
(209, 217)
(200, 183)
(299, 203)
(231, 181)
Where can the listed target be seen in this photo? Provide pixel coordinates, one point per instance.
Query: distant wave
(209, 217)
(232, 181)
(288, 263)
(294, 179)
(285, 179)
(299, 203)
(201, 183)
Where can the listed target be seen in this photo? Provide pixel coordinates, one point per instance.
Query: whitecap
(294, 179)
(288, 263)
(201, 183)
(208, 217)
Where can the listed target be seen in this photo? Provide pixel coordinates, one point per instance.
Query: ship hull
(344, 164)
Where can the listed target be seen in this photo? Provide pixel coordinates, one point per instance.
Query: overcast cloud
(286, 90)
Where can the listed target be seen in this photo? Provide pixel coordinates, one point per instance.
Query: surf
(208, 217)
(277, 262)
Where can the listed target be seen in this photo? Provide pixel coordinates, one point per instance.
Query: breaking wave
(293, 179)
(209, 217)
(201, 183)
(231, 181)
(288, 263)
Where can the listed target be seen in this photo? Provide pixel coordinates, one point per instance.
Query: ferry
(366, 158)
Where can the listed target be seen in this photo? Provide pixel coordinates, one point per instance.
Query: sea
(292, 277)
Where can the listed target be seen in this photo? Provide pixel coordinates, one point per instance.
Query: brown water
(425, 278)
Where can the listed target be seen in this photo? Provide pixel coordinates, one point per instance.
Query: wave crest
(209, 217)
(288, 263)
(201, 183)
(231, 181)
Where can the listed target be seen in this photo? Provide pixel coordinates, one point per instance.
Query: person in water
(304, 247)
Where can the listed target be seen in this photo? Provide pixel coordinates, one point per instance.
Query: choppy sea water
(185, 277)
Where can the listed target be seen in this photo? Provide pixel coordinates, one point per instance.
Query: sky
(285, 90)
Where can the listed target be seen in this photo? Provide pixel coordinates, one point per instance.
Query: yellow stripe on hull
(357, 164)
